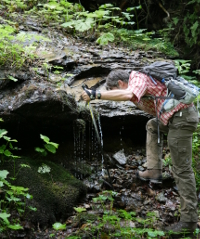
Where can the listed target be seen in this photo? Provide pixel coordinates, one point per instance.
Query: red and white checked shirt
(142, 85)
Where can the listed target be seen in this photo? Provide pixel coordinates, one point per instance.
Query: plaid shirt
(142, 85)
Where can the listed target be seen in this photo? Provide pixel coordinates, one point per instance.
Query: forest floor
(121, 206)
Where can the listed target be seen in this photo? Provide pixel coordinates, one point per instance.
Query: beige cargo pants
(180, 130)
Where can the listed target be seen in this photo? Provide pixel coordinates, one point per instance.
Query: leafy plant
(48, 146)
(183, 30)
(13, 199)
(105, 38)
(167, 161)
(6, 150)
(108, 225)
(195, 155)
(196, 72)
(55, 11)
(14, 53)
(103, 18)
(183, 66)
(107, 19)
(59, 226)
(135, 11)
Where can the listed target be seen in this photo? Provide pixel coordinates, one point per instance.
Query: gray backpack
(160, 70)
(179, 89)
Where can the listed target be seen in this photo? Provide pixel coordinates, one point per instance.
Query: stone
(120, 157)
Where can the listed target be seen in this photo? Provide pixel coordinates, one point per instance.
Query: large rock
(49, 101)
(54, 194)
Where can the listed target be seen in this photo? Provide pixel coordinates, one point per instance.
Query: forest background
(171, 27)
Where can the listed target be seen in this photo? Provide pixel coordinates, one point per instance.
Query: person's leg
(153, 152)
(153, 148)
(181, 129)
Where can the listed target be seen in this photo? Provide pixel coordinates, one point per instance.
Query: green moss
(54, 194)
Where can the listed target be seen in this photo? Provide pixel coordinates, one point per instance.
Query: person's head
(117, 79)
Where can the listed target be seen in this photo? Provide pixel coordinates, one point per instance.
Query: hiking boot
(152, 175)
(181, 229)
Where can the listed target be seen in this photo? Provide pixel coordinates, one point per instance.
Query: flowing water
(88, 146)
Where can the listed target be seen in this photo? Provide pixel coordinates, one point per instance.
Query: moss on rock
(54, 194)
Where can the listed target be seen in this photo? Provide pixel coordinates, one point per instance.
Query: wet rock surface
(48, 99)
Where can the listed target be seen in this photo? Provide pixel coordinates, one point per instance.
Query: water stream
(87, 146)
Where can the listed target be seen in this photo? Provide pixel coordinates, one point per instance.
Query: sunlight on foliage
(59, 226)
(48, 146)
(44, 169)
(17, 48)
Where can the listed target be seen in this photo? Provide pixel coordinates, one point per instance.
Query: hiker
(179, 124)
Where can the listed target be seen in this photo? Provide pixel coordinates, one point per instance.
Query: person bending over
(179, 125)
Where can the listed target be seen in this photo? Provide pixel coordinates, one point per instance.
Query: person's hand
(85, 96)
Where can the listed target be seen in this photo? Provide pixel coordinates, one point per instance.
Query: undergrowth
(106, 25)
(115, 223)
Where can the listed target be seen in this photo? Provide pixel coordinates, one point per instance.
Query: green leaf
(101, 13)
(82, 26)
(40, 150)
(106, 6)
(6, 138)
(68, 74)
(59, 226)
(193, 1)
(9, 139)
(146, 39)
(52, 5)
(32, 208)
(5, 216)
(133, 8)
(50, 148)
(105, 38)
(2, 148)
(45, 138)
(175, 20)
(79, 209)
(3, 174)
(68, 24)
(127, 15)
(15, 227)
(3, 132)
(28, 196)
(55, 145)
(19, 189)
(7, 153)
(12, 78)
(155, 233)
(193, 28)
(24, 165)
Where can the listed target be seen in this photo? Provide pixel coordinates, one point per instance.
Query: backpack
(179, 89)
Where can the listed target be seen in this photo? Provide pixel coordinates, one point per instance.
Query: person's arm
(114, 95)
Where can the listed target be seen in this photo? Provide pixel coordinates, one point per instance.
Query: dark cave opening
(118, 132)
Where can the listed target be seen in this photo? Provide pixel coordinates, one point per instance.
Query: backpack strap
(155, 83)
(158, 114)
(157, 119)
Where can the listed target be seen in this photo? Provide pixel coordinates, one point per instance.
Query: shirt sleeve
(137, 84)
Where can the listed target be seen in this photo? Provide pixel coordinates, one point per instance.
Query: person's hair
(114, 76)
